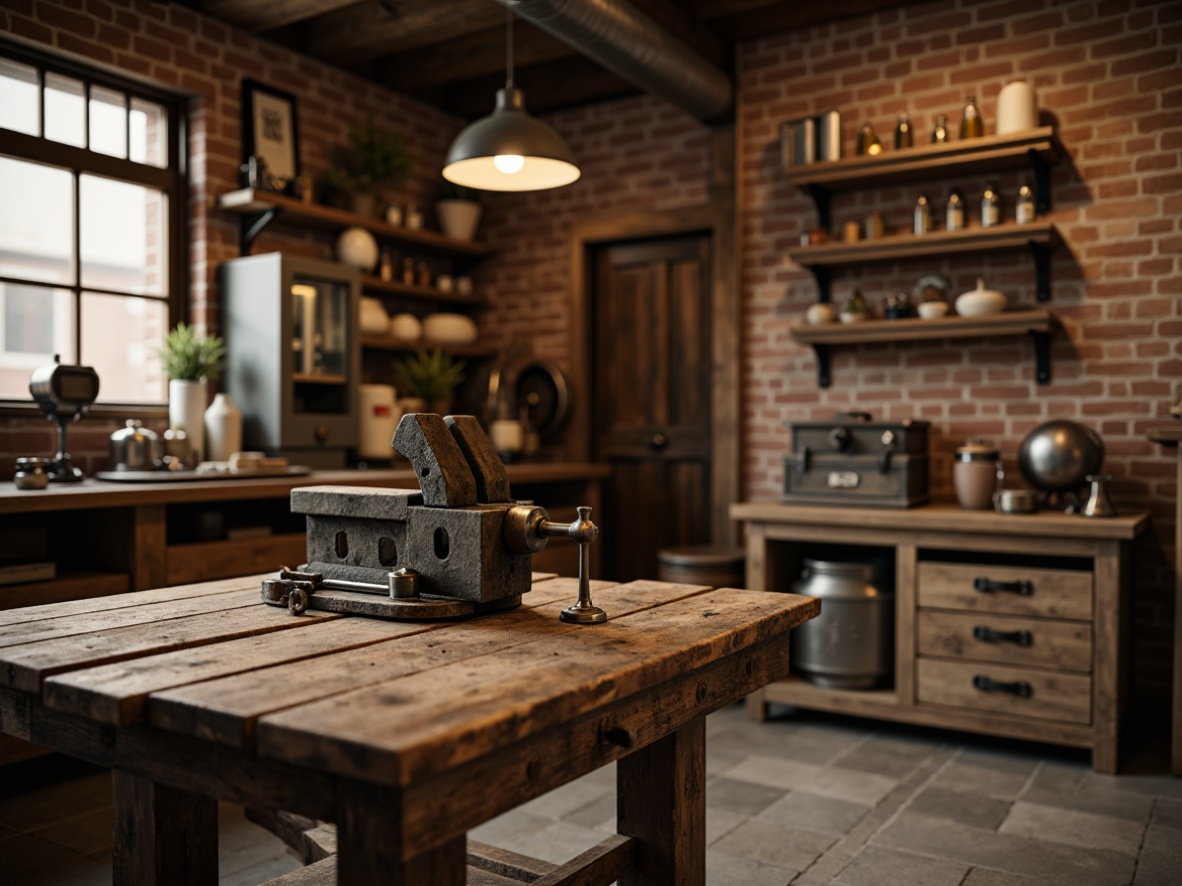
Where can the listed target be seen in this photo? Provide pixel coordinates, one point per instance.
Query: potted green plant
(189, 358)
(375, 158)
(458, 209)
(429, 377)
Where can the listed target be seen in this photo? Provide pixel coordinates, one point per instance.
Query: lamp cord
(509, 49)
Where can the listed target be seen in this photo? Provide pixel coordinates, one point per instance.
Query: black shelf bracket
(1042, 181)
(1042, 356)
(822, 352)
(823, 276)
(251, 225)
(821, 201)
(1042, 270)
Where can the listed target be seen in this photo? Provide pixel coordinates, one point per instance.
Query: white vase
(223, 428)
(458, 218)
(186, 409)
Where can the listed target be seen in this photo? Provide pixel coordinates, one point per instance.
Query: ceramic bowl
(357, 247)
(933, 310)
(374, 319)
(406, 327)
(449, 329)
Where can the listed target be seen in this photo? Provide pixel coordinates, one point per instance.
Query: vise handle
(529, 528)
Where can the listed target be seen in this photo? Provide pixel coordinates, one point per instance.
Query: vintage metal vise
(459, 546)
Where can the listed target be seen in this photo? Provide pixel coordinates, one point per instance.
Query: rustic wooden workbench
(405, 734)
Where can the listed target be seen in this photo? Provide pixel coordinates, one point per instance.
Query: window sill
(142, 411)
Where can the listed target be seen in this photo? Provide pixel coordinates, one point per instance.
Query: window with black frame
(93, 263)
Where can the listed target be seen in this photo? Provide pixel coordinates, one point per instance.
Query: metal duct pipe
(626, 41)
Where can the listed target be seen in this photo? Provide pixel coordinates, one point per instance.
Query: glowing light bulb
(508, 163)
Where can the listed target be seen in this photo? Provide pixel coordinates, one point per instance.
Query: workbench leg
(661, 801)
(757, 707)
(163, 836)
(369, 844)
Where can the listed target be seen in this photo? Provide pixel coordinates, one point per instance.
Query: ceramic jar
(974, 475)
(1017, 107)
(186, 409)
(223, 428)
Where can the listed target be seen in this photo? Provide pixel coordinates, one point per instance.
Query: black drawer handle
(988, 635)
(988, 586)
(1019, 688)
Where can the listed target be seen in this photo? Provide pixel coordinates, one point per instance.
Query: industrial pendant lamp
(509, 150)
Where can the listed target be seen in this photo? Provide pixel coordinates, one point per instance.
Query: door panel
(651, 382)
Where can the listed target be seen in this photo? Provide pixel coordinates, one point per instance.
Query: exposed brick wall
(1111, 75)
(177, 48)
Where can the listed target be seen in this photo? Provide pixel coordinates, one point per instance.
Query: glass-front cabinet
(294, 356)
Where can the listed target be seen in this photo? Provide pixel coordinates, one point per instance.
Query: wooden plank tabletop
(378, 700)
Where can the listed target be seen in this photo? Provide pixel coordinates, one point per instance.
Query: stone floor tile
(1069, 787)
(1167, 814)
(1067, 826)
(968, 778)
(1040, 859)
(77, 871)
(37, 808)
(828, 781)
(979, 812)
(773, 844)
(812, 812)
(726, 870)
(29, 859)
(987, 877)
(566, 799)
(743, 797)
(596, 814)
(875, 866)
(558, 843)
(604, 776)
(88, 834)
(720, 822)
(1013, 757)
(778, 740)
(1160, 863)
(243, 845)
(1153, 785)
(516, 824)
(893, 756)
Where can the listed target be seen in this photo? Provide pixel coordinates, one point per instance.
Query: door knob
(658, 441)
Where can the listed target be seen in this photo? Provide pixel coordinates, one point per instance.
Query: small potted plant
(189, 358)
(458, 209)
(375, 158)
(428, 377)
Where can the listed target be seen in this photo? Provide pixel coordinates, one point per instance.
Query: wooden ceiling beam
(474, 55)
(739, 20)
(264, 15)
(376, 28)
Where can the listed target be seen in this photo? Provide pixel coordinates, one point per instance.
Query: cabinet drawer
(1051, 695)
(1055, 593)
(1007, 639)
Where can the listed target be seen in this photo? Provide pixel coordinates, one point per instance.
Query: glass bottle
(990, 206)
(940, 133)
(954, 214)
(922, 221)
(386, 266)
(408, 271)
(868, 142)
(1024, 211)
(971, 124)
(903, 135)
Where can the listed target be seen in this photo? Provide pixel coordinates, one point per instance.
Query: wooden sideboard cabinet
(1009, 625)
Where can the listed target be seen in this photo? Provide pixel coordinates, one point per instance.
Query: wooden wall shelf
(995, 238)
(258, 208)
(1038, 324)
(383, 343)
(376, 286)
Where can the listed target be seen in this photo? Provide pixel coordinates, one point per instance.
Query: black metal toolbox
(856, 460)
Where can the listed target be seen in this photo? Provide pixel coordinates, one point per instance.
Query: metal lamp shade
(510, 132)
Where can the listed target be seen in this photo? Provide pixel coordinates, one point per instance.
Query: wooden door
(651, 384)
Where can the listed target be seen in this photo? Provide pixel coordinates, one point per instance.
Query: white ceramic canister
(223, 428)
(1017, 108)
(374, 320)
(379, 418)
(186, 409)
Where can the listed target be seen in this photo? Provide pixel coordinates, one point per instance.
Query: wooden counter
(1046, 662)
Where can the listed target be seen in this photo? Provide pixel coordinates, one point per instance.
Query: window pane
(36, 222)
(149, 133)
(65, 110)
(36, 322)
(120, 335)
(108, 122)
(124, 236)
(18, 97)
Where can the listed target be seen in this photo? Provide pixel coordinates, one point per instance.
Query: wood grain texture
(1055, 695)
(1005, 323)
(149, 539)
(73, 586)
(1065, 645)
(905, 572)
(163, 836)
(661, 801)
(208, 560)
(1109, 675)
(602, 863)
(1057, 593)
(436, 719)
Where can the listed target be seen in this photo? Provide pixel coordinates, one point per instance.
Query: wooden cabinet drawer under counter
(1021, 691)
(1013, 590)
(1014, 640)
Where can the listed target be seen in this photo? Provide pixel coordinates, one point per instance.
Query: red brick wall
(175, 47)
(1111, 75)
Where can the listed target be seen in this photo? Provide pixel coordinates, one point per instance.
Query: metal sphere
(1058, 455)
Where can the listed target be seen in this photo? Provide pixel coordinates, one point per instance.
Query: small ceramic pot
(933, 310)
(820, 313)
(980, 302)
(974, 476)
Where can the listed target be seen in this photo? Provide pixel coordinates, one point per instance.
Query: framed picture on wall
(270, 129)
